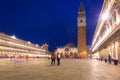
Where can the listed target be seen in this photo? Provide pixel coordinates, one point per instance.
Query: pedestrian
(26, 57)
(52, 59)
(101, 58)
(109, 58)
(58, 59)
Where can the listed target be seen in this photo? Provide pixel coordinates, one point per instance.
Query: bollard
(115, 62)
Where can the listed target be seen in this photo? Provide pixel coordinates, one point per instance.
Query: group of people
(55, 57)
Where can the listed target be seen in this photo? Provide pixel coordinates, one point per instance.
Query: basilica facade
(67, 51)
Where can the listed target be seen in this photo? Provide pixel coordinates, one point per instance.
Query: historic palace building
(106, 40)
(12, 46)
(82, 51)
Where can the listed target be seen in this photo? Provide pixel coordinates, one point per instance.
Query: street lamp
(118, 20)
(37, 45)
(13, 37)
(105, 16)
(29, 42)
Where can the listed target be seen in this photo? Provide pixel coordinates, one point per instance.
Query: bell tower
(81, 21)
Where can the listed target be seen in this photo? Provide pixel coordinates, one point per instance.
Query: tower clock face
(81, 21)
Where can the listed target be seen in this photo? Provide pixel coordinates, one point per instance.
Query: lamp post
(37, 45)
(29, 42)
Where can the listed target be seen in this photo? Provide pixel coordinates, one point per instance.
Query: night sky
(47, 21)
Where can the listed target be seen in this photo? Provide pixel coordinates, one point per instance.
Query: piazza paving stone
(69, 69)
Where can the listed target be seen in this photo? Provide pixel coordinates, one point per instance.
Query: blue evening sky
(47, 21)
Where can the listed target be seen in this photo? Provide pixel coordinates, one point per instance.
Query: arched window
(66, 49)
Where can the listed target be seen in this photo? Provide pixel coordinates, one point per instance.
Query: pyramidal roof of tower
(81, 9)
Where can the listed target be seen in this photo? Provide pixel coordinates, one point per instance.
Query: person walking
(58, 59)
(109, 58)
(26, 57)
(52, 59)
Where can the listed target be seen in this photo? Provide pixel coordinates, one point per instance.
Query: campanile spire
(81, 8)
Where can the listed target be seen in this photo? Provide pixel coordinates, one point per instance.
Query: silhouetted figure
(109, 58)
(52, 59)
(58, 59)
(101, 58)
(26, 57)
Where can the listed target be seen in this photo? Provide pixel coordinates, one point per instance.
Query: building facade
(106, 40)
(12, 46)
(81, 45)
(67, 51)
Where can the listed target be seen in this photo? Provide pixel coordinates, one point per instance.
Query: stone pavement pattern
(69, 69)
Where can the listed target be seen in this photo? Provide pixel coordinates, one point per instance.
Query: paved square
(69, 69)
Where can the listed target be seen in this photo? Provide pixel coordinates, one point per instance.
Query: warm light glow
(116, 48)
(118, 21)
(96, 55)
(112, 50)
(36, 44)
(97, 33)
(29, 42)
(105, 16)
(100, 41)
(13, 37)
(82, 54)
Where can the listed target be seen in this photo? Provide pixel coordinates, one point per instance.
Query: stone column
(112, 50)
(119, 50)
(109, 49)
(116, 49)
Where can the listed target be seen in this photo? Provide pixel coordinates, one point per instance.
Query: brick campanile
(81, 20)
